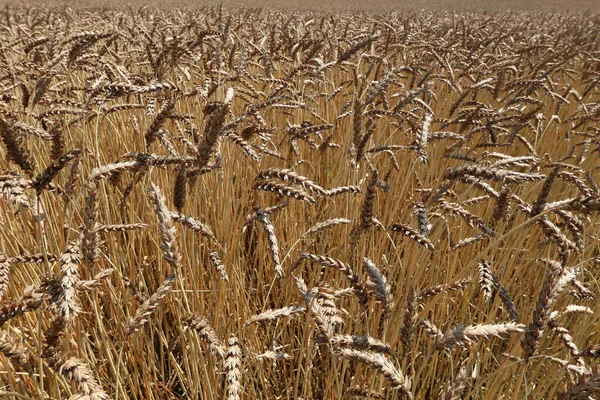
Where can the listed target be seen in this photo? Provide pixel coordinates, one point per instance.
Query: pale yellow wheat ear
(320, 226)
(165, 225)
(465, 335)
(379, 285)
(490, 285)
(342, 189)
(193, 224)
(284, 190)
(79, 372)
(291, 177)
(272, 315)
(325, 328)
(215, 259)
(15, 351)
(201, 325)
(96, 281)
(232, 366)
(13, 187)
(274, 356)
(360, 343)
(149, 306)
(70, 260)
(378, 362)
(269, 229)
(4, 274)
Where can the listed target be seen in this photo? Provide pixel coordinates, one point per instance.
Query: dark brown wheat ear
(14, 148)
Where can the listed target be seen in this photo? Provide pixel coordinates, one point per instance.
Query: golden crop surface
(242, 203)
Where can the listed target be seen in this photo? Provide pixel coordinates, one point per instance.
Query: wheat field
(245, 203)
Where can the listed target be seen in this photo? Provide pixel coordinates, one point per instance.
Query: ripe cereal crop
(246, 203)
